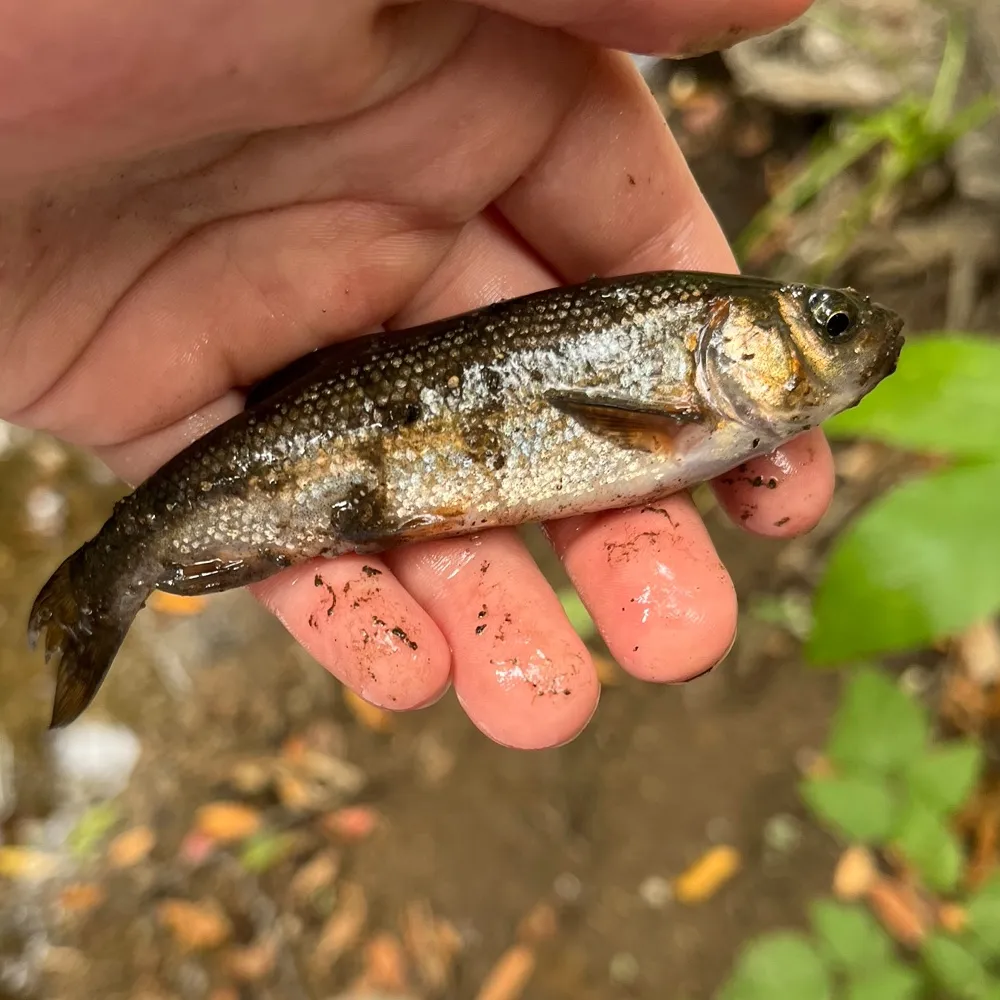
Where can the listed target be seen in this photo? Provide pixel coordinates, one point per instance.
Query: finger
(260, 278)
(101, 82)
(520, 670)
(354, 617)
(657, 26)
(77, 96)
(598, 221)
(612, 192)
(635, 207)
(236, 302)
(350, 614)
(783, 494)
(651, 579)
(654, 586)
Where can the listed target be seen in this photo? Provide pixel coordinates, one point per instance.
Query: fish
(609, 394)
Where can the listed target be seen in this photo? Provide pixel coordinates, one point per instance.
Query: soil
(480, 834)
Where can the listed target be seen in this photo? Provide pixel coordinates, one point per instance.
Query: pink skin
(131, 318)
(352, 614)
(520, 671)
(664, 603)
(795, 492)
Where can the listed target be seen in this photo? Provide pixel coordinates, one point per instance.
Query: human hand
(196, 194)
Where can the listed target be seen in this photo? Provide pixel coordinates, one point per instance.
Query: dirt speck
(403, 637)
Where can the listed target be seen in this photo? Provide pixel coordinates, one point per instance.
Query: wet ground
(239, 828)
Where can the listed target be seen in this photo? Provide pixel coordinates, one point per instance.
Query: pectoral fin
(635, 425)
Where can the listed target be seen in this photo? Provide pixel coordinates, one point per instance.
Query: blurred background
(819, 817)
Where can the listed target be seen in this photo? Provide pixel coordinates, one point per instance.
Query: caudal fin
(85, 630)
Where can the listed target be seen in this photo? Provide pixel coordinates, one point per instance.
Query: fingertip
(519, 721)
(356, 619)
(655, 587)
(783, 494)
(521, 673)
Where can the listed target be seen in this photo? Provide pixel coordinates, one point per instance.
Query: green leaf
(955, 967)
(851, 937)
(578, 615)
(930, 846)
(265, 850)
(859, 808)
(889, 982)
(779, 966)
(944, 777)
(877, 728)
(92, 828)
(983, 912)
(942, 399)
(921, 563)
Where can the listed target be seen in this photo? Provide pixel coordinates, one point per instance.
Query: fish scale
(604, 395)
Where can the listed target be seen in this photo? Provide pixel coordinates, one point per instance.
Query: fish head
(786, 357)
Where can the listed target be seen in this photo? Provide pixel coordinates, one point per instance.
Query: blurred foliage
(905, 137)
(88, 835)
(885, 782)
(923, 561)
(890, 784)
(577, 614)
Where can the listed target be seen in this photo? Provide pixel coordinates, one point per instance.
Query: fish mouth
(893, 324)
(897, 343)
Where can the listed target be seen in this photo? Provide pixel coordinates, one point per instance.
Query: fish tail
(85, 617)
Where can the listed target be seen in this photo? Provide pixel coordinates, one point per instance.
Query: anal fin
(212, 576)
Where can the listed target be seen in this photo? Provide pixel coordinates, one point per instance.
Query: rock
(976, 156)
(647, 65)
(856, 54)
(95, 759)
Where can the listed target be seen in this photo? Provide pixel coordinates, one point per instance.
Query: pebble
(95, 758)
(45, 511)
(719, 830)
(434, 760)
(567, 887)
(646, 64)
(782, 833)
(916, 681)
(655, 892)
(48, 455)
(623, 969)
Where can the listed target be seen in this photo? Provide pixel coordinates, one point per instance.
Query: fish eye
(834, 315)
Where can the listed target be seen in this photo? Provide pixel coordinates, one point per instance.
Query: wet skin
(137, 299)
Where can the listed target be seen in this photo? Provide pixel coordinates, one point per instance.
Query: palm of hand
(137, 301)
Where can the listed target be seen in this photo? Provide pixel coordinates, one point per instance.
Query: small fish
(605, 395)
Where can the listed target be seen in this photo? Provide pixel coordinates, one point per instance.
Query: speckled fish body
(604, 395)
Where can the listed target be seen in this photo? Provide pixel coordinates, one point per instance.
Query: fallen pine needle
(707, 875)
(510, 976)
